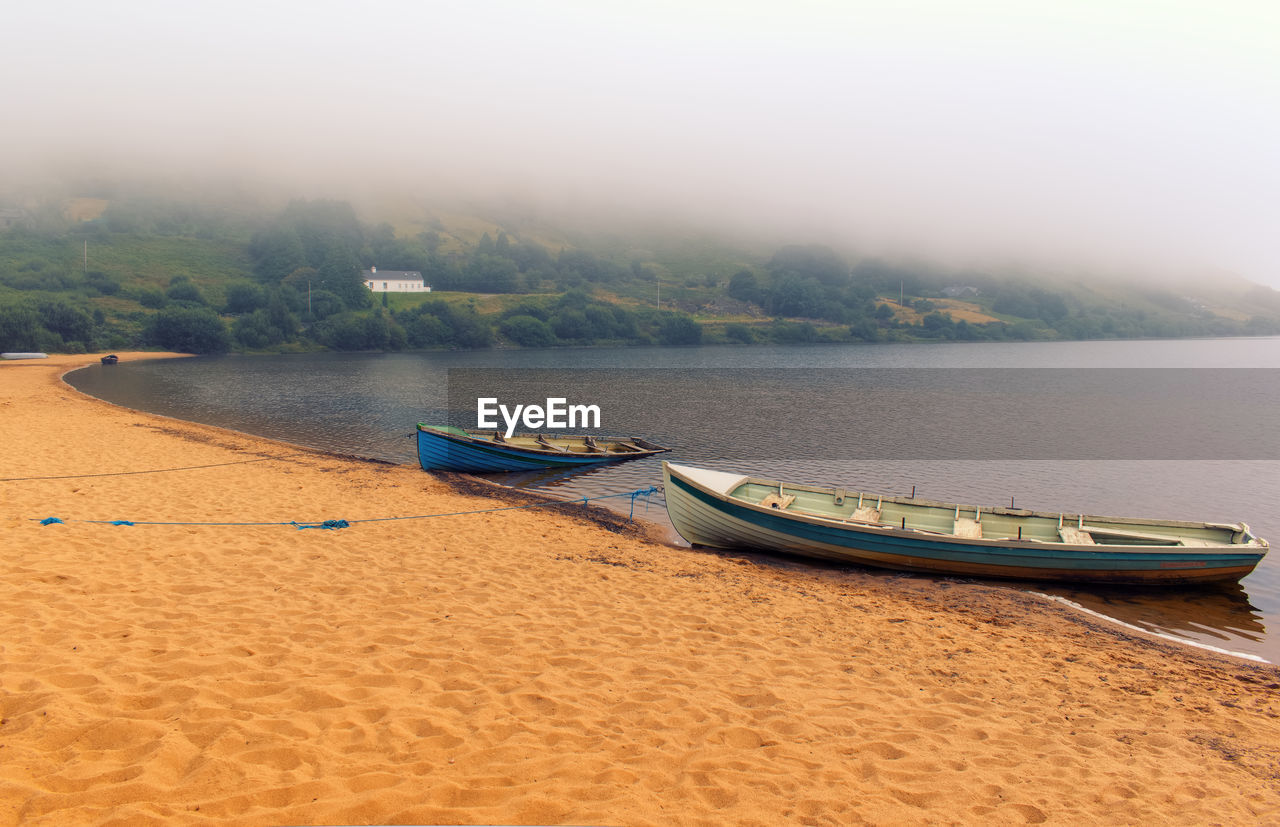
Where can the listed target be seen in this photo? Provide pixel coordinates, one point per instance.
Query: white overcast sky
(1119, 134)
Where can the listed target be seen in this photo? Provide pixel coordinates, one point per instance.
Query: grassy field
(484, 303)
(154, 261)
(958, 310)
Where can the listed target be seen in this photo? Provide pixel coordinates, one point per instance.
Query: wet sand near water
(539, 666)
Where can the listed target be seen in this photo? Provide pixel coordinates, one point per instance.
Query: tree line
(294, 282)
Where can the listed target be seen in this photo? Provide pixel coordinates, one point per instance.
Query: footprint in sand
(887, 751)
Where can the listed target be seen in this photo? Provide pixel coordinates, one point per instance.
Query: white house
(395, 281)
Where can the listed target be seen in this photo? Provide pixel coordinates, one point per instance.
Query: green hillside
(137, 272)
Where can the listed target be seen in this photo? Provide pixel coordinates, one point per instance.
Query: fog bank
(1116, 136)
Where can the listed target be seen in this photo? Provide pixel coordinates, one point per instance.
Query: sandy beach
(537, 666)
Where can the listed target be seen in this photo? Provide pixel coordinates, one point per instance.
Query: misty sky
(1110, 134)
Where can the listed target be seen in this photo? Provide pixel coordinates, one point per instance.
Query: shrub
(527, 331)
(181, 289)
(70, 323)
(102, 283)
(244, 297)
(151, 297)
(255, 331)
(360, 331)
(790, 333)
(189, 330)
(571, 324)
(19, 327)
(342, 331)
(679, 329)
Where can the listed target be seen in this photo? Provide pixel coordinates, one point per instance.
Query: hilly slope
(94, 272)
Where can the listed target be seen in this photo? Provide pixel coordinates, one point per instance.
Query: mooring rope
(336, 524)
(148, 471)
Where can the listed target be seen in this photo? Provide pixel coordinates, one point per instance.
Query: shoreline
(1161, 636)
(664, 534)
(547, 665)
(458, 483)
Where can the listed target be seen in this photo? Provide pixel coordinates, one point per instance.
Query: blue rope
(643, 492)
(336, 524)
(327, 524)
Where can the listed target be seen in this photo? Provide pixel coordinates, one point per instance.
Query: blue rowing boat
(445, 448)
(734, 511)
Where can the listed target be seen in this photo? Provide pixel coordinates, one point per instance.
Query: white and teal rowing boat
(733, 511)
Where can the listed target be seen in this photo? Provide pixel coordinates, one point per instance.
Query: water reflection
(1221, 615)
(569, 483)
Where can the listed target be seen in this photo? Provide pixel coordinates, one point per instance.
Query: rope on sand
(149, 471)
(336, 524)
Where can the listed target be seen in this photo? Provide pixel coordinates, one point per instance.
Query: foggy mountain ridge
(1062, 140)
(463, 221)
(129, 270)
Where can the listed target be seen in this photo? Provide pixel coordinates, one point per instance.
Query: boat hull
(706, 517)
(443, 451)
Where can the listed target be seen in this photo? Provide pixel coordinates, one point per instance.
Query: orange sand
(536, 666)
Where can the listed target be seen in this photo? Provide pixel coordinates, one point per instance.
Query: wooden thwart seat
(779, 501)
(866, 514)
(542, 440)
(1075, 537)
(1125, 534)
(967, 528)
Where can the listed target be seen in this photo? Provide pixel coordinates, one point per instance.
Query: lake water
(1179, 429)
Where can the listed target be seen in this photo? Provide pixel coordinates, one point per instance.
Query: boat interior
(564, 444)
(567, 444)
(852, 508)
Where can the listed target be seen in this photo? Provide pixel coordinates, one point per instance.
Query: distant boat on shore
(734, 511)
(445, 448)
(32, 355)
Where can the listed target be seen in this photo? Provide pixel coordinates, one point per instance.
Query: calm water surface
(704, 403)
